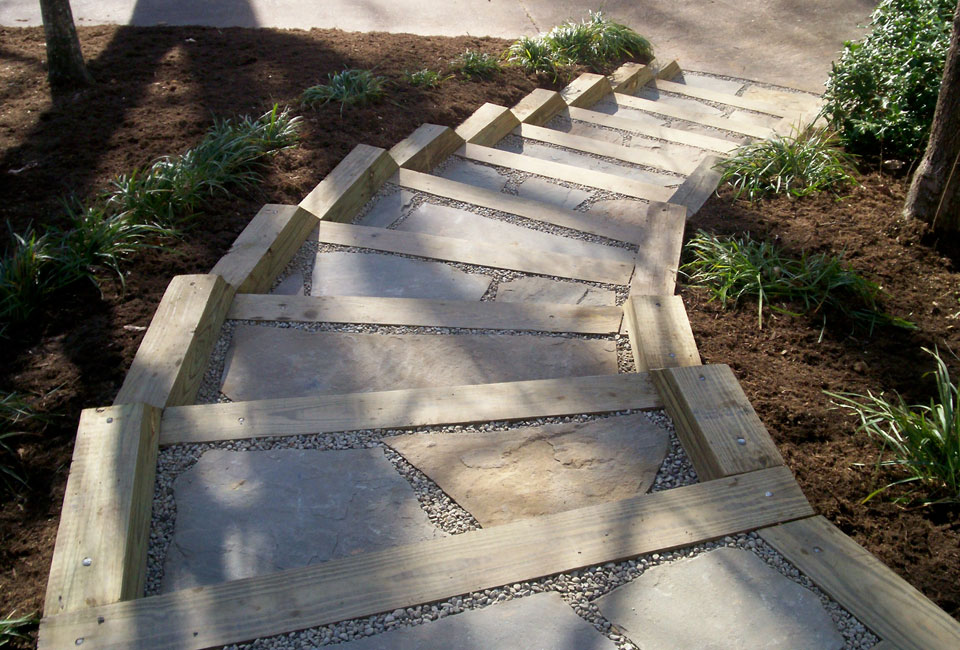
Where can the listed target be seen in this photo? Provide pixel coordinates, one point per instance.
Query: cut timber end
(668, 71)
(101, 552)
(343, 192)
(265, 247)
(698, 186)
(539, 107)
(488, 125)
(658, 256)
(630, 76)
(173, 354)
(586, 90)
(660, 334)
(423, 149)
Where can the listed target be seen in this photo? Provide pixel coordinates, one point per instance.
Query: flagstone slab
(471, 173)
(546, 192)
(710, 83)
(507, 475)
(292, 285)
(641, 117)
(341, 273)
(539, 622)
(680, 154)
(268, 362)
(648, 92)
(432, 219)
(726, 598)
(749, 117)
(247, 513)
(532, 289)
(585, 130)
(624, 211)
(387, 209)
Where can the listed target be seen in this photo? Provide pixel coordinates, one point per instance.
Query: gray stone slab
(372, 274)
(292, 285)
(651, 93)
(267, 362)
(680, 154)
(623, 211)
(503, 476)
(532, 289)
(387, 209)
(538, 622)
(754, 118)
(445, 221)
(711, 83)
(471, 173)
(643, 118)
(540, 190)
(727, 598)
(791, 101)
(584, 130)
(247, 513)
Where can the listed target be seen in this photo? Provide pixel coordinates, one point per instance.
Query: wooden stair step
(660, 333)
(699, 186)
(670, 134)
(658, 259)
(693, 116)
(717, 97)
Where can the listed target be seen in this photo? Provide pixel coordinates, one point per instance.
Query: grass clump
(26, 275)
(596, 41)
(476, 65)
(923, 440)
(882, 93)
(14, 412)
(349, 87)
(733, 268)
(13, 627)
(535, 55)
(425, 78)
(802, 165)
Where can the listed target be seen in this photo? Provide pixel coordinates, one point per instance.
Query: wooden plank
(568, 173)
(690, 115)
(416, 312)
(660, 334)
(101, 552)
(433, 570)
(878, 597)
(173, 354)
(635, 155)
(658, 257)
(343, 192)
(488, 125)
(715, 422)
(539, 107)
(711, 95)
(513, 257)
(699, 186)
(586, 90)
(629, 76)
(412, 407)
(668, 71)
(265, 247)
(423, 149)
(660, 132)
(528, 208)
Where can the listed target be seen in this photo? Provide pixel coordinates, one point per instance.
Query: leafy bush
(801, 165)
(347, 87)
(883, 91)
(12, 628)
(534, 55)
(26, 276)
(476, 65)
(733, 268)
(425, 78)
(924, 440)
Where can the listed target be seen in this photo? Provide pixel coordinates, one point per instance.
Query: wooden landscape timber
(343, 192)
(658, 256)
(660, 334)
(423, 149)
(539, 107)
(689, 138)
(488, 125)
(699, 186)
(586, 90)
(689, 115)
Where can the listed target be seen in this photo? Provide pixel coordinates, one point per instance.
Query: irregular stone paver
(679, 153)
(711, 83)
(464, 171)
(445, 221)
(546, 192)
(268, 362)
(538, 622)
(247, 513)
(624, 211)
(292, 285)
(788, 100)
(554, 291)
(584, 130)
(645, 119)
(372, 274)
(503, 476)
(727, 598)
(387, 210)
(754, 118)
(653, 94)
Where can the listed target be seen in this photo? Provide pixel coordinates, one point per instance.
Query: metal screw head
(109, 420)
(817, 549)
(657, 304)
(240, 420)
(100, 620)
(702, 378)
(741, 441)
(768, 494)
(86, 561)
(671, 355)
(79, 641)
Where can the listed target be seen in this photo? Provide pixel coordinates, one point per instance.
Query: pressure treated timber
(265, 247)
(717, 97)
(879, 598)
(658, 257)
(512, 257)
(712, 416)
(528, 208)
(698, 186)
(660, 333)
(416, 312)
(488, 125)
(668, 71)
(169, 365)
(539, 107)
(690, 115)
(669, 134)
(343, 192)
(628, 77)
(411, 407)
(586, 90)
(423, 149)
(568, 173)
(403, 576)
(635, 155)
(101, 552)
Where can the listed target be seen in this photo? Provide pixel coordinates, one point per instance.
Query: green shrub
(425, 78)
(596, 41)
(801, 165)
(26, 275)
(476, 65)
(882, 92)
(12, 628)
(347, 87)
(534, 55)
(922, 440)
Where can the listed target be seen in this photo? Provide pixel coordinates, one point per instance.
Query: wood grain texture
(711, 95)
(658, 256)
(568, 173)
(101, 552)
(668, 71)
(694, 116)
(586, 90)
(423, 149)
(419, 573)
(405, 408)
(513, 256)
(169, 365)
(660, 333)
(488, 125)
(883, 601)
(669, 134)
(712, 416)
(417, 312)
(539, 107)
(265, 247)
(629, 76)
(343, 192)
(699, 186)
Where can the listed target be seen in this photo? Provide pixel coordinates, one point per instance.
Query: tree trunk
(934, 194)
(65, 64)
